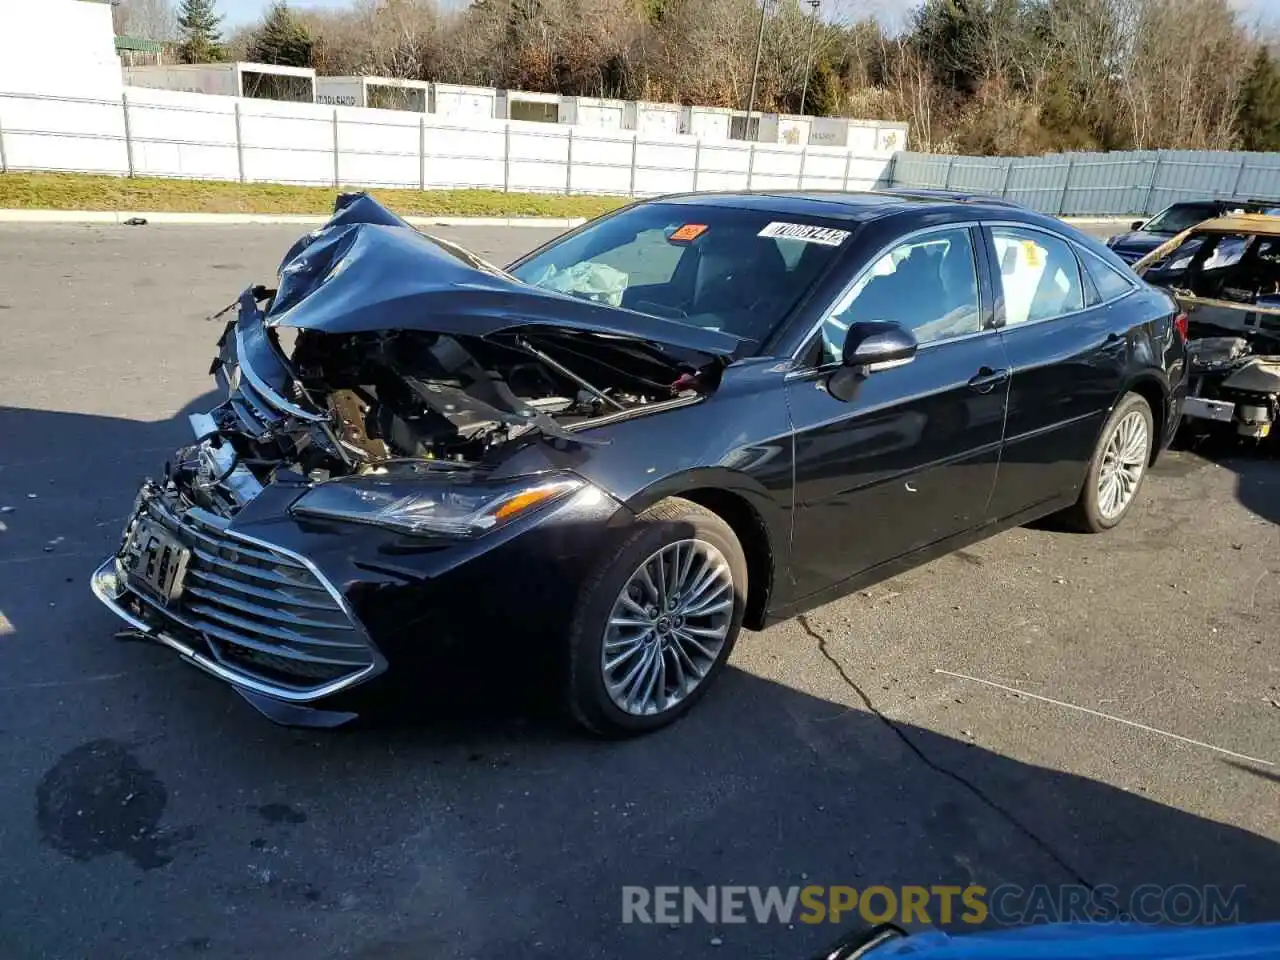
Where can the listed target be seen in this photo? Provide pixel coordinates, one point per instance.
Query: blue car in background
(1067, 941)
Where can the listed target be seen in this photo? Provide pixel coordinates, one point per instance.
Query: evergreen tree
(199, 40)
(1260, 104)
(282, 39)
(947, 34)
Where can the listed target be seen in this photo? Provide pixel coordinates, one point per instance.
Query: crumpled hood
(367, 270)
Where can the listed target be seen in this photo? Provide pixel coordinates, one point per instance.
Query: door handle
(988, 379)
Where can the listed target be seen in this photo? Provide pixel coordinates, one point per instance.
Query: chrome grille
(261, 611)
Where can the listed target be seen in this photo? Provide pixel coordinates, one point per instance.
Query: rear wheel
(1117, 469)
(654, 628)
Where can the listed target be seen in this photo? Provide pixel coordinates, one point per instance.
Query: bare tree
(708, 49)
(915, 96)
(1181, 72)
(149, 19)
(990, 76)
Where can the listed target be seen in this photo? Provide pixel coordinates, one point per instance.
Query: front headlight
(431, 506)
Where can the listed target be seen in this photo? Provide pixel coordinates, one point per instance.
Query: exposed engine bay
(407, 400)
(384, 350)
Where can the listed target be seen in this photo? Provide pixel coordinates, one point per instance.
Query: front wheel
(1118, 467)
(655, 626)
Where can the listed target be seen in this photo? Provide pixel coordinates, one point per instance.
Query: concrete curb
(232, 219)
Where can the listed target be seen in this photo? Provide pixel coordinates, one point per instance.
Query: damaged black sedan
(692, 415)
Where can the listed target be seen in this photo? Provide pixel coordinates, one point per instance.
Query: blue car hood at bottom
(367, 270)
(1092, 941)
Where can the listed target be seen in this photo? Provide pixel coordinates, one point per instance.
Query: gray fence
(1098, 184)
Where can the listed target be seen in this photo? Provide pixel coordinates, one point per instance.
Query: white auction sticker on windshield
(806, 232)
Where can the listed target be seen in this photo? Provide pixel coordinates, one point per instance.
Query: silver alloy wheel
(667, 627)
(1123, 461)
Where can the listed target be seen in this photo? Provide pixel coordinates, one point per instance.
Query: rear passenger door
(1066, 362)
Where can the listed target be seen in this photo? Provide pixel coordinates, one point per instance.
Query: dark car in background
(691, 415)
(1145, 235)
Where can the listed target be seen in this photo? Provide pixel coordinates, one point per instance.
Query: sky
(890, 12)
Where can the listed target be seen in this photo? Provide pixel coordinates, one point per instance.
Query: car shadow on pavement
(150, 812)
(67, 481)
(1255, 463)
(511, 838)
(1262, 774)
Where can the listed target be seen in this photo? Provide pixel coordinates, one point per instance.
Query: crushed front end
(399, 463)
(247, 610)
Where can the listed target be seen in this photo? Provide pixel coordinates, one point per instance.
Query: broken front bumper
(249, 612)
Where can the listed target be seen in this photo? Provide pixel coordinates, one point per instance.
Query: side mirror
(869, 348)
(1137, 225)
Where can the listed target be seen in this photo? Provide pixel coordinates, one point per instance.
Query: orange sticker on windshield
(690, 231)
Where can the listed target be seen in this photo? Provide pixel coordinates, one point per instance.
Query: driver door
(912, 458)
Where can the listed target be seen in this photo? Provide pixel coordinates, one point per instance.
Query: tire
(673, 530)
(1093, 512)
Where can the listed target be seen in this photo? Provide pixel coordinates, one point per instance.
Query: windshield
(737, 271)
(1179, 217)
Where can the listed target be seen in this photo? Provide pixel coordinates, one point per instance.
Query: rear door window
(1039, 275)
(1106, 279)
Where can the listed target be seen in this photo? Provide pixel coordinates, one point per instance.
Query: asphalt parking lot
(145, 810)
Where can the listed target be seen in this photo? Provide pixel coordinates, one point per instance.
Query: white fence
(163, 133)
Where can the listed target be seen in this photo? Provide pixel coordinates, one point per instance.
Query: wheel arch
(748, 509)
(1152, 389)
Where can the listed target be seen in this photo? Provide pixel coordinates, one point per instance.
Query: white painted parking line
(1107, 716)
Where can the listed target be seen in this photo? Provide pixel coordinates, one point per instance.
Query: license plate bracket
(156, 560)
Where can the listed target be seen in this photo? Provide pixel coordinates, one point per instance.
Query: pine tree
(199, 38)
(1260, 104)
(282, 39)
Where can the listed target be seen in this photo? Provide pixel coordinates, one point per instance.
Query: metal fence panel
(920, 169)
(174, 134)
(1134, 182)
(1036, 182)
(192, 135)
(1259, 176)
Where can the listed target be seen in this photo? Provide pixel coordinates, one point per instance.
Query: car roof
(1252, 204)
(1241, 223)
(849, 206)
